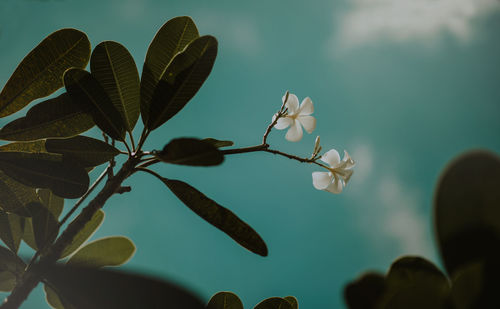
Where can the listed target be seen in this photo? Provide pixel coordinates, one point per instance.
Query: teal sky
(403, 86)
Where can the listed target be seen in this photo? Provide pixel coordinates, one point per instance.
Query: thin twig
(280, 114)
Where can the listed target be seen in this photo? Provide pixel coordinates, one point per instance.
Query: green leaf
(40, 73)
(218, 143)
(43, 170)
(171, 39)
(225, 300)
(86, 91)
(14, 196)
(293, 301)
(7, 281)
(218, 216)
(467, 210)
(45, 226)
(87, 151)
(11, 230)
(34, 146)
(11, 262)
(58, 117)
(190, 151)
(29, 235)
(274, 303)
(365, 292)
(114, 68)
(52, 202)
(181, 80)
(109, 251)
(94, 288)
(52, 297)
(467, 287)
(84, 234)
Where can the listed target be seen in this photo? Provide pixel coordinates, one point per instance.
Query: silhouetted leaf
(43, 170)
(467, 284)
(10, 262)
(53, 298)
(218, 143)
(52, 202)
(171, 39)
(218, 216)
(114, 68)
(181, 80)
(7, 281)
(190, 151)
(29, 235)
(225, 300)
(109, 251)
(40, 72)
(274, 303)
(366, 292)
(14, 196)
(293, 301)
(467, 210)
(34, 146)
(85, 90)
(57, 117)
(103, 289)
(45, 226)
(11, 230)
(86, 150)
(84, 234)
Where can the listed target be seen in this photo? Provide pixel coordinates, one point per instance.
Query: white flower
(296, 118)
(338, 174)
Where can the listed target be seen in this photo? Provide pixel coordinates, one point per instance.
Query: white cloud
(402, 20)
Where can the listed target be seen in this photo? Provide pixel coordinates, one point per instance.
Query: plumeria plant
(47, 161)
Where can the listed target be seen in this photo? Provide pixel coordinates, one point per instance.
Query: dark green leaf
(52, 202)
(171, 39)
(40, 73)
(467, 210)
(218, 216)
(45, 226)
(274, 303)
(14, 196)
(87, 151)
(218, 143)
(11, 262)
(191, 151)
(114, 68)
(11, 230)
(467, 285)
(366, 292)
(43, 170)
(181, 80)
(84, 234)
(86, 91)
(109, 251)
(34, 146)
(103, 289)
(225, 300)
(293, 301)
(29, 235)
(57, 117)
(53, 298)
(7, 281)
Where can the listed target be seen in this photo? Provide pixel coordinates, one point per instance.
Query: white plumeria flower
(296, 118)
(338, 174)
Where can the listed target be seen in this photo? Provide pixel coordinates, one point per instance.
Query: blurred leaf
(467, 284)
(103, 289)
(52, 298)
(84, 234)
(218, 143)
(467, 210)
(218, 216)
(57, 117)
(171, 39)
(45, 226)
(44, 170)
(52, 202)
(366, 292)
(274, 303)
(14, 196)
(40, 72)
(190, 151)
(34, 146)
(11, 230)
(225, 300)
(86, 91)
(29, 235)
(11, 262)
(7, 281)
(293, 301)
(114, 68)
(86, 150)
(109, 251)
(181, 80)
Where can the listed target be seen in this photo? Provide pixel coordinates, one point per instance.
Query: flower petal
(294, 134)
(308, 122)
(349, 163)
(292, 104)
(331, 157)
(335, 187)
(321, 180)
(283, 122)
(306, 107)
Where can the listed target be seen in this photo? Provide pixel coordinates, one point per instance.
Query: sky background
(404, 86)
